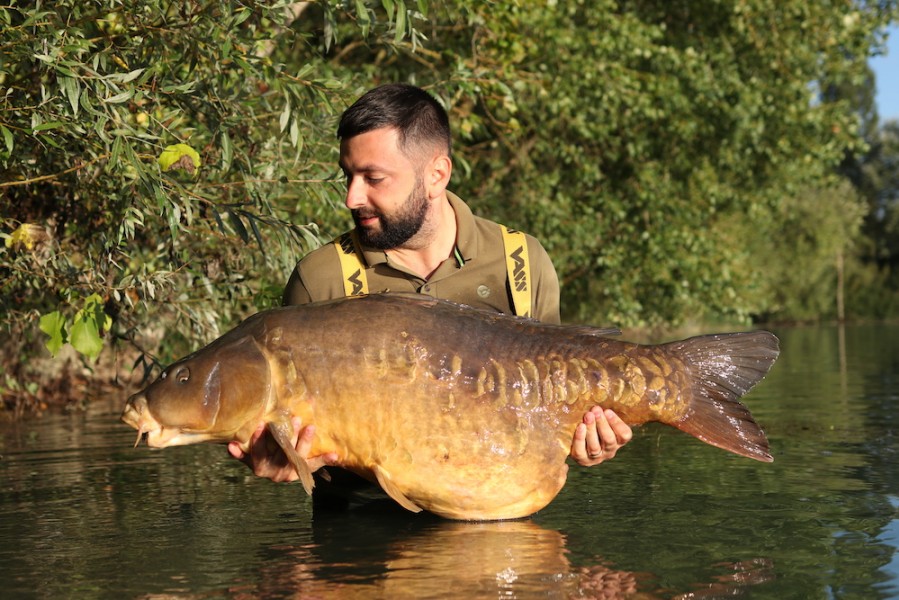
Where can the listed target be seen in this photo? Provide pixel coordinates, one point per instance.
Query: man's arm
(295, 292)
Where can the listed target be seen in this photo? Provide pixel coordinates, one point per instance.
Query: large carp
(465, 413)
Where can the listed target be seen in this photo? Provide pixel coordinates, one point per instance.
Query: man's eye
(374, 180)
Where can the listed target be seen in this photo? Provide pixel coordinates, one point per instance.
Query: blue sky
(886, 68)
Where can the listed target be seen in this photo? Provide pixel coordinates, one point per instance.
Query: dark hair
(416, 114)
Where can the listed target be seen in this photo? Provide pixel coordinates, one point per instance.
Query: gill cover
(215, 391)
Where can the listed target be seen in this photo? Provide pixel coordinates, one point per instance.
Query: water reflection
(412, 557)
(83, 514)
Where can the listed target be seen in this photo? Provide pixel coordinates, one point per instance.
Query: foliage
(101, 102)
(164, 164)
(816, 228)
(873, 285)
(877, 178)
(627, 149)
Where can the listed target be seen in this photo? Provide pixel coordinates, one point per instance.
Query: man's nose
(355, 194)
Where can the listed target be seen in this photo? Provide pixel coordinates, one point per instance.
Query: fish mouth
(141, 437)
(137, 415)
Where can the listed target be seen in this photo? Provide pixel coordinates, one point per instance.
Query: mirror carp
(465, 413)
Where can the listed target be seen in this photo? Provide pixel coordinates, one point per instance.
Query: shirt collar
(466, 230)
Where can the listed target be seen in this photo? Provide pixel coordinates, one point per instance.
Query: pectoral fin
(282, 431)
(393, 491)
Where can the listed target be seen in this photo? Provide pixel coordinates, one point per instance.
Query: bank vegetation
(164, 164)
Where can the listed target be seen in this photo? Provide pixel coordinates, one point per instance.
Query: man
(413, 235)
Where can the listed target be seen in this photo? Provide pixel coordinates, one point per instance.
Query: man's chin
(371, 236)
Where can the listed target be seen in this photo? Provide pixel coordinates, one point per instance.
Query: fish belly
(447, 452)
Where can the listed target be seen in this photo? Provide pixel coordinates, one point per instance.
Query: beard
(397, 227)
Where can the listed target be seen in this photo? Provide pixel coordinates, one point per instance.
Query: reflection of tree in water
(845, 460)
(673, 507)
(401, 556)
(874, 359)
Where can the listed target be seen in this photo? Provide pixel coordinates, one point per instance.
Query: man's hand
(267, 459)
(599, 437)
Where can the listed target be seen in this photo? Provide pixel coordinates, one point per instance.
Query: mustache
(359, 213)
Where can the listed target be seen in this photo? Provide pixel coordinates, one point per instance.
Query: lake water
(85, 515)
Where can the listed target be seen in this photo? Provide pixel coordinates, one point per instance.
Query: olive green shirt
(474, 275)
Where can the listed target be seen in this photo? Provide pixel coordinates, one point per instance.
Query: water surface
(83, 514)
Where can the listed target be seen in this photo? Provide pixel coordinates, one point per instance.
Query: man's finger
(304, 441)
(623, 432)
(607, 437)
(593, 442)
(235, 451)
(296, 424)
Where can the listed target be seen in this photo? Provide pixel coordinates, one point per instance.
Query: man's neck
(432, 245)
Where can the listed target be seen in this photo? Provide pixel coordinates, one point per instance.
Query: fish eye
(183, 375)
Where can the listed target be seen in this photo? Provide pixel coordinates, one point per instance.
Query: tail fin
(723, 368)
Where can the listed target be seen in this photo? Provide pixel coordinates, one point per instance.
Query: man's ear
(438, 175)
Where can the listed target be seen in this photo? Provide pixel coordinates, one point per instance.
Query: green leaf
(400, 21)
(241, 15)
(330, 26)
(72, 89)
(362, 17)
(285, 117)
(295, 137)
(388, 7)
(86, 338)
(119, 98)
(131, 76)
(48, 126)
(227, 151)
(219, 222)
(66, 72)
(89, 322)
(54, 325)
(7, 138)
(257, 234)
(182, 88)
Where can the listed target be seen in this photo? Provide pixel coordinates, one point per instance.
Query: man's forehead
(383, 139)
(377, 149)
(366, 164)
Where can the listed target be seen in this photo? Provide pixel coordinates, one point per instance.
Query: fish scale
(461, 412)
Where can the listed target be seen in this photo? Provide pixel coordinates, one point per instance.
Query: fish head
(217, 394)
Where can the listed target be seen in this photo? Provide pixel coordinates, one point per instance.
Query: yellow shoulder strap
(354, 280)
(518, 270)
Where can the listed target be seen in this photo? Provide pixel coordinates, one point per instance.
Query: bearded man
(413, 235)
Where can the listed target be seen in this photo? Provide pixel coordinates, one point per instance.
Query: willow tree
(165, 163)
(162, 170)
